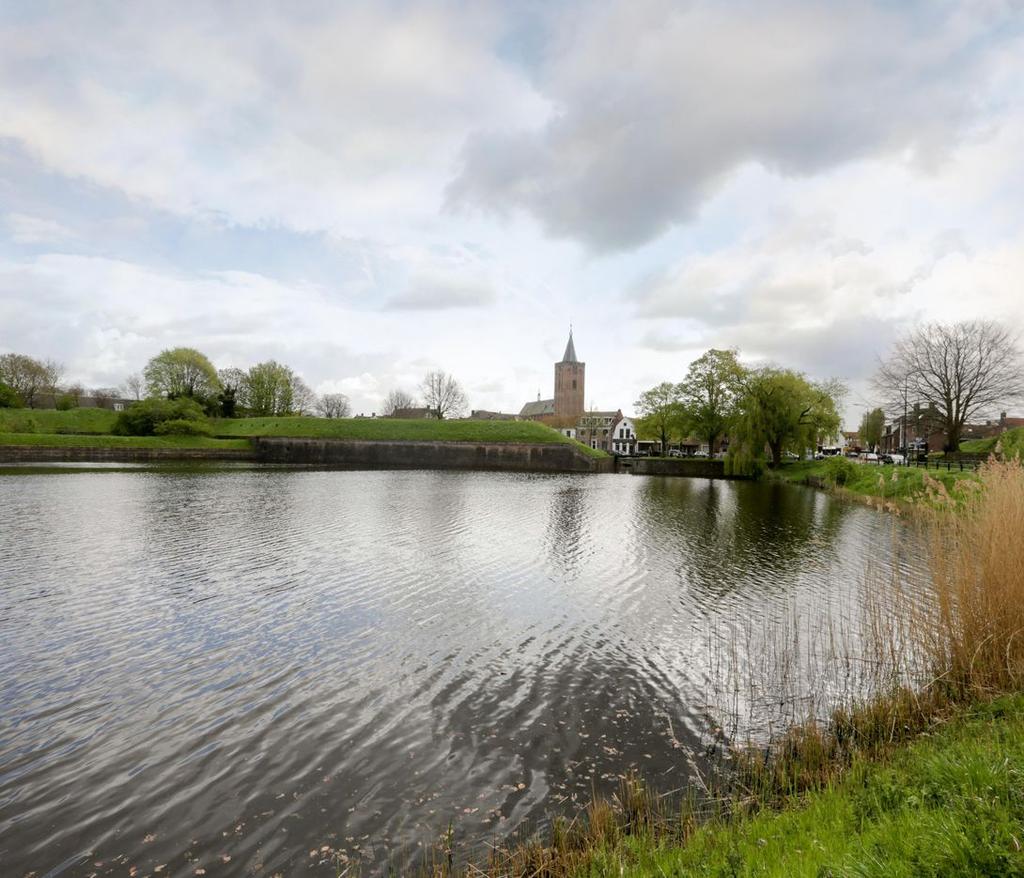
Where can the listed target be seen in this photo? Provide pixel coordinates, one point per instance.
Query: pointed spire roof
(570, 351)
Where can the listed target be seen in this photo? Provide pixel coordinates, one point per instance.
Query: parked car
(897, 459)
(869, 457)
(675, 452)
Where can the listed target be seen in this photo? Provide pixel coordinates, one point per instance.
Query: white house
(623, 438)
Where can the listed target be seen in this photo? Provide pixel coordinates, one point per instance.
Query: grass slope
(423, 429)
(1011, 442)
(64, 440)
(93, 421)
(950, 804)
(871, 480)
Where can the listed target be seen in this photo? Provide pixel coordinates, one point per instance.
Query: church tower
(569, 375)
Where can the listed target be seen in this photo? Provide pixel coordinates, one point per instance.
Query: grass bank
(899, 483)
(949, 804)
(51, 421)
(45, 425)
(65, 440)
(1010, 444)
(396, 429)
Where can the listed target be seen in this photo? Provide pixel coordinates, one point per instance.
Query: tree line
(955, 371)
(267, 389)
(764, 411)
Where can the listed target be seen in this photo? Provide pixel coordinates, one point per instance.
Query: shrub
(142, 418)
(182, 427)
(9, 399)
(839, 470)
(66, 402)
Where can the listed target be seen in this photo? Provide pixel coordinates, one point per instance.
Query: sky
(368, 191)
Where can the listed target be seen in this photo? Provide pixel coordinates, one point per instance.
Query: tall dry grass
(975, 641)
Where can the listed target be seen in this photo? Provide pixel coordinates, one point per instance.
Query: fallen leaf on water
(149, 838)
(160, 868)
(133, 871)
(200, 871)
(225, 858)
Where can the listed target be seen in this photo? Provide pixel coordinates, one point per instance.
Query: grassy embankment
(900, 483)
(923, 777)
(381, 429)
(91, 427)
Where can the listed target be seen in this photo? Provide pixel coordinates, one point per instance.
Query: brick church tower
(569, 375)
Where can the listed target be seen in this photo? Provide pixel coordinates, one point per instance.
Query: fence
(951, 462)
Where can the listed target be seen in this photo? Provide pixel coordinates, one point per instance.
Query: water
(272, 665)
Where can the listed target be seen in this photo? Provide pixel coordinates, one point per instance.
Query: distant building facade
(412, 413)
(597, 429)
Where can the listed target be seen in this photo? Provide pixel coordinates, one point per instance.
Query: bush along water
(156, 417)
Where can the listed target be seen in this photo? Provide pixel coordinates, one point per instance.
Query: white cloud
(658, 103)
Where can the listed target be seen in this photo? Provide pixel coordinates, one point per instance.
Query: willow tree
(781, 410)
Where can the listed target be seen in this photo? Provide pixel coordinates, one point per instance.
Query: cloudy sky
(368, 191)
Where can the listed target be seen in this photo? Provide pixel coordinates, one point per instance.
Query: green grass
(872, 480)
(51, 421)
(950, 804)
(1011, 442)
(64, 440)
(424, 429)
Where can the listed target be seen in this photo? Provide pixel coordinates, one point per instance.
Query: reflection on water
(254, 664)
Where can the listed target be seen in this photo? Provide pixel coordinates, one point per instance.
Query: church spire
(570, 351)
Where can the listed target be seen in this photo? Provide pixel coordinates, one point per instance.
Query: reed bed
(908, 661)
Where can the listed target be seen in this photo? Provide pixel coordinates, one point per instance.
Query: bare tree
(104, 396)
(304, 400)
(134, 386)
(961, 370)
(333, 405)
(443, 395)
(397, 399)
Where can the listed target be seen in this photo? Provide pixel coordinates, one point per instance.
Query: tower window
(573, 383)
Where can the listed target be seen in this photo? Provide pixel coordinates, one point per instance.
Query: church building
(567, 406)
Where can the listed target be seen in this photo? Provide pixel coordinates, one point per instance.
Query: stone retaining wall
(701, 468)
(553, 458)
(115, 454)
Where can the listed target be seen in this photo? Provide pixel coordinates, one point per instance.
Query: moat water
(248, 670)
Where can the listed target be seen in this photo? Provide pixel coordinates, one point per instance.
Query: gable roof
(540, 407)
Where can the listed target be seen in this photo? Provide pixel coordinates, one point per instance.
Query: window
(573, 383)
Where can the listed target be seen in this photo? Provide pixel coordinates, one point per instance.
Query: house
(484, 415)
(596, 428)
(921, 429)
(412, 413)
(623, 439)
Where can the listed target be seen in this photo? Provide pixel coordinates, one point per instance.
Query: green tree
(660, 413)
(29, 377)
(872, 426)
(182, 372)
(781, 410)
(8, 398)
(709, 393)
(270, 389)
